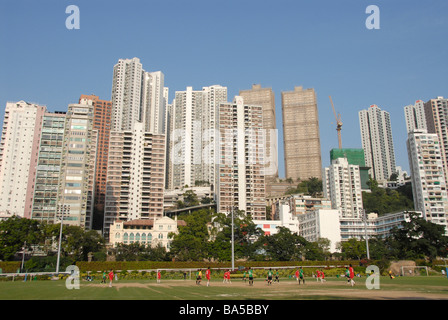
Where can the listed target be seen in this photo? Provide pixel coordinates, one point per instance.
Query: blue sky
(317, 44)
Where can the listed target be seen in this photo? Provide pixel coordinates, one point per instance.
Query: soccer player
(104, 277)
(322, 276)
(251, 276)
(301, 277)
(277, 276)
(244, 275)
(351, 275)
(347, 275)
(297, 275)
(159, 276)
(207, 275)
(269, 276)
(111, 277)
(199, 277)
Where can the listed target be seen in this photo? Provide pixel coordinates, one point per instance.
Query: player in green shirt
(270, 273)
(251, 276)
(301, 275)
(277, 276)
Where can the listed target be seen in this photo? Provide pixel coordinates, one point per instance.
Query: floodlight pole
(233, 245)
(364, 217)
(59, 245)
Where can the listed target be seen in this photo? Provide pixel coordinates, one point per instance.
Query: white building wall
(19, 145)
(427, 174)
(377, 142)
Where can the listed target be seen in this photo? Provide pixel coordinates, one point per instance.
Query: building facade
(45, 198)
(342, 185)
(194, 136)
(377, 142)
(102, 123)
(241, 181)
(152, 232)
(301, 136)
(319, 224)
(356, 157)
(136, 174)
(427, 174)
(126, 94)
(77, 175)
(265, 97)
(19, 150)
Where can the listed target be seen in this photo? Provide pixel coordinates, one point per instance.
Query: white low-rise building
(321, 224)
(148, 232)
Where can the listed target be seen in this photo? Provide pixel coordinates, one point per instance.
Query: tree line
(207, 237)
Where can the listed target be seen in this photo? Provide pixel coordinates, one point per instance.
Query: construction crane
(338, 124)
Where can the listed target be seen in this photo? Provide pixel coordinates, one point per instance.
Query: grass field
(408, 288)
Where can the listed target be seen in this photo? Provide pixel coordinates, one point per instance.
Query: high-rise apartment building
(342, 185)
(356, 157)
(44, 204)
(265, 97)
(436, 111)
(154, 96)
(126, 93)
(428, 179)
(194, 136)
(169, 125)
(135, 177)
(101, 123)
(77, 175)
(240, 181)
(377, 142)
(415, 116)
(301, 135)
(19, 150)
(137, 96)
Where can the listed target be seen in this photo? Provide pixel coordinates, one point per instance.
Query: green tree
(191, 241)
(419, 238)
(76, 242)
(312, 186)
(17, 233)
(284, 245)
(244, 232)
(190, 198)
(353, 249)
(383, 200)
(318, 250)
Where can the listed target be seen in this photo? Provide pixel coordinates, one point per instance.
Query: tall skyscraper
(415, 116)
(428, 180)
(342, 185)
(136, 176)
(44, 204)
(301, 134)
(137, 96)
(377, 142)
(77, 175)
(265, 97)
(126, 94)
(240, 180)
(193, 139)
(102, 123)
(436, 111)
(19, 150)
(153, 102)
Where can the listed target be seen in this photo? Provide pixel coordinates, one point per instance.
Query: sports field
(407, 288)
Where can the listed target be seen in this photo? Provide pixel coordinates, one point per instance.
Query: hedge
(10, 266)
